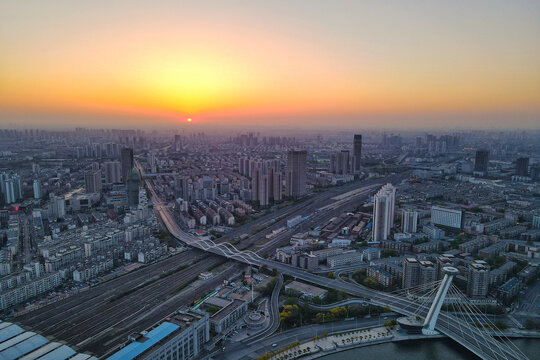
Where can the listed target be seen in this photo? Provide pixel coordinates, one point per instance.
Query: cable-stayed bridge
(424, 302)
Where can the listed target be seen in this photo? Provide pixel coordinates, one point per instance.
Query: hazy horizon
(420, 65)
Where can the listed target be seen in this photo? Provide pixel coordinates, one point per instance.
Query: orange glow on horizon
(233, 64)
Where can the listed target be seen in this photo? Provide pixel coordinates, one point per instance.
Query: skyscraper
(37, 189)
(535, 172)
(127, 163)
(92, 181)
(3, 179)
(383, 212)
(409, 221)
(344, 162)
(357, 153)
(277, 182)
(296, 173)
(260, 184)
(181, 186)
(177, 142)
(340, 162)
(152, 161)
(274, 180)
(133, 184)
(11, 187)
(113, 172)
(481, 161)
(17, 186)
(478, 279)
(9, 191)
(57, 206)
(241, 168)
(266, 181)
(411, 273)
(417, 272)
(522, 166)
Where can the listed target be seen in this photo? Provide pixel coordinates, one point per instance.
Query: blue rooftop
(136, 348)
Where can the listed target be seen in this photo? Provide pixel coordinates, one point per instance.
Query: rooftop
(306, 289)
(144, 343)
(15, 343)
(226, 311)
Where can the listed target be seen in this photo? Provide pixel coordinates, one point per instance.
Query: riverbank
(428, 349)
(242, 350)
(321, 347)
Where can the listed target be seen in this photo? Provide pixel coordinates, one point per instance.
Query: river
(440, 349)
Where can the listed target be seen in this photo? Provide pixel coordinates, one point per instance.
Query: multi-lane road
(101, 317)
(487, 348)
(244, 351)
(273, 314)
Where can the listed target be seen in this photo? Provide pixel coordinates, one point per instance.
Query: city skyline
(198, 240)
(263, 180)
(315, 64)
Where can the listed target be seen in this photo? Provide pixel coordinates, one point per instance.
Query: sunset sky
(277, 63)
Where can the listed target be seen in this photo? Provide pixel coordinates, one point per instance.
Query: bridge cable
(496, 330)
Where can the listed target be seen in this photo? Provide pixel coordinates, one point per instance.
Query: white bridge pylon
(435, 309)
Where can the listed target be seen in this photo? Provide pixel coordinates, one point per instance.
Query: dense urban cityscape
(269, 180)
(121, 244)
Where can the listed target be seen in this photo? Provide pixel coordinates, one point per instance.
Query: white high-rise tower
(383, 212)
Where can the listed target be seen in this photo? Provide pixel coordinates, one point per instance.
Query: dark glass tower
(357, 153)
(481, 160)
(127, 163)
(522, 166)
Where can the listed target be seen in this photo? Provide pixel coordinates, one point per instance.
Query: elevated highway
(477, 341)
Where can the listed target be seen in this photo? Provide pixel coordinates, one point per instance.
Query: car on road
(274, 345)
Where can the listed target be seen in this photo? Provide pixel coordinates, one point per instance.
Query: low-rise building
(528, 273)
(473, 246)
(429, 246)
(433, 232)
(323, 254)
(33, 286)
(507, 291)
(493, 250)
(307, 291)
(370, 254)
(395, 245)
(224, 319)
(90, 271)
(181, 336)
(382, 276)
(346, 258)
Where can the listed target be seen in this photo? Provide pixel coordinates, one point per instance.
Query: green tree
(290, 300)
(388, 253)
(290, 314)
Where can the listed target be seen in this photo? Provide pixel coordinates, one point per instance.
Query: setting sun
(225, 65)
(189, 120)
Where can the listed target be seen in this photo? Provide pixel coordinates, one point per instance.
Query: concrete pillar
(433, 314)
